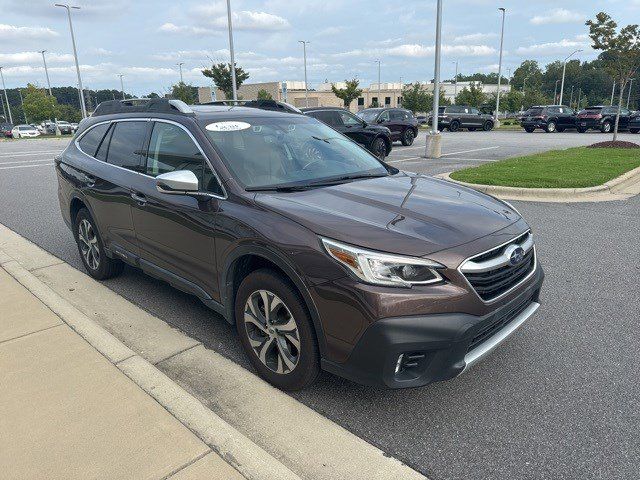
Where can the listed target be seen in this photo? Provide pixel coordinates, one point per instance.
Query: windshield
(368, 115)
(276, 152)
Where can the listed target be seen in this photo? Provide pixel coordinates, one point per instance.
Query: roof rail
(142, 105)
(263, 104)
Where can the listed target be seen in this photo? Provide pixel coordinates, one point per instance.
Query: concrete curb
(237, 450)
(611, 190)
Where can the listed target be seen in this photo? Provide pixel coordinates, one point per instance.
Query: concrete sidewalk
(67, 412)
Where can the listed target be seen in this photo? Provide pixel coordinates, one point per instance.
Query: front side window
(384, 116)
(272, 152)
(125, 148)
(90, 140)
(368, 115)
(348, 119)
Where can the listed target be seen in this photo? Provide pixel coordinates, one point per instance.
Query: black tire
(472, 129)
(551, 127)
(559, 129)
(408, 136)
(104, 267)
(454, 126)
(581, 130)
(379, 148)
(606, 127)
(634, 130)
(488, 126)
(307, 356)
(529, 129)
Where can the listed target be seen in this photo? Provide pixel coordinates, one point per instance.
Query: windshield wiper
(278, 188)
(345, 178)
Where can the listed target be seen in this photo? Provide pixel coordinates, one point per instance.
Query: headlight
(382, 269)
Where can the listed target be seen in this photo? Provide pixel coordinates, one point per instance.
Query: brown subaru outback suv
(320, 254)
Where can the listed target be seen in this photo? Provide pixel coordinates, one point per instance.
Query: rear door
(176, 233)
(475, 119)
(394, 120)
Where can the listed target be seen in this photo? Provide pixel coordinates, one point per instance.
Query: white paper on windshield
(227, 126)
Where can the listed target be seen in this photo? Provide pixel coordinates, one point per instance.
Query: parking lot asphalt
(559, 400)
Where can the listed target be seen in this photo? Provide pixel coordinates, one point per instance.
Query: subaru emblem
(517, 255)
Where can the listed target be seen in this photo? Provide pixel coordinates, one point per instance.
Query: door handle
(90, 181)
(138, 197)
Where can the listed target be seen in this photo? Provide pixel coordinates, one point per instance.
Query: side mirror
(179, 182)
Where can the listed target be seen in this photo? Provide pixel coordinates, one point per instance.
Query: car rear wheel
(488, 125)
(634, 130)
(276, 331)
(529, 129)
(472, 129)
(454, 126)
(582, 130)
(551, 127)
(379, 148)
(408, 137)
(560, 129)
(91, 249)
(606, 127)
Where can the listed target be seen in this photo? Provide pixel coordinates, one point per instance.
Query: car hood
(407, 214)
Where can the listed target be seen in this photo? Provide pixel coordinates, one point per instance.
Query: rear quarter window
(90, 140)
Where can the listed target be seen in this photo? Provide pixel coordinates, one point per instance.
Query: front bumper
(533, 123)
(433, 347)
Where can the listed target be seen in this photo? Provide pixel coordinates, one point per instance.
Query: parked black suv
(373, 137)
(634, 122)
(401, 122)
(320, 254)
(550, 118)
(603, 118)
(455, 117)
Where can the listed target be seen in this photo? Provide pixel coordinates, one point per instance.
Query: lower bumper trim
(483, 349)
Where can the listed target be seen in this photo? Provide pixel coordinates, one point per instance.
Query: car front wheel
(551, 127)
(91, 249)
(488, 125)
(408, 137)
(276, 331)
(454, 126)
(379, 148)
(606, 127)
(529, 129)
(634, 130)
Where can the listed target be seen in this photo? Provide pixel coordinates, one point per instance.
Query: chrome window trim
(152, 119)
(507, 292)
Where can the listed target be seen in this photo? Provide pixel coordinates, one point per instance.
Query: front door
(177, 232)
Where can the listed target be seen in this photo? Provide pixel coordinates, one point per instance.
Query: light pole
(22, 105)
(75, 55)
(629, 92)
(564, 71)
(46, 71)
(121, 84)
(180, 67)
(306, 86)
(455, 83)
(555, 92)
(233, 62)
(571, 97)
(433, 147)
(5, 96)
(379, 100)
(496, 121)
(613, 91)
(579, 98)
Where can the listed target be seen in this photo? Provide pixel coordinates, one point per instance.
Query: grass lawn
(572, 168)
(511, 128)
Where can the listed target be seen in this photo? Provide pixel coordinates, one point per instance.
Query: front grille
(499, 322)
(491, 282)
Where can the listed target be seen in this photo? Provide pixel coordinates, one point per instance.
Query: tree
(349, 93)
(38, 105)
(620, 52)
(187, 93)
(529, 70)
(68, 113)
(473, 96)
(221, 76)
(264, 95)
(417, 99)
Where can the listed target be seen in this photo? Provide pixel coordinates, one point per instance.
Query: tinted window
(349, 119)
(329, 117)
(90, 140)
(534, 111)
(368, 115)
(396, 115)
(384, 116)
(103, 147)
(125, 148)
(475, 111)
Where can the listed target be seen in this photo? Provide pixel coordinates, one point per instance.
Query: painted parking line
(469, 151)
(27, 166)
(29, 154)
(26, 161)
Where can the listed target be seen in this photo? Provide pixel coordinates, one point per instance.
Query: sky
(144, 40)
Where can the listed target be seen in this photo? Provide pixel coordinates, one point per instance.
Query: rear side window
(329, 117)
(125, 148)
(90, 140)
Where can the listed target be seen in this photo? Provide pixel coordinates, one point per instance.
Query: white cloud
(474, 37)
(249, 20)
(34, 57)
(415, 50)
(186, 30)
(100, 51)
(11, 32)
(558, 15)
(214, 9)
(330, 31)
(553, 48)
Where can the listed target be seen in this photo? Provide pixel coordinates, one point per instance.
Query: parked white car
(23, 131)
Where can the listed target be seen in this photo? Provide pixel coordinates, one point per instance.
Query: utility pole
(75, 56)
(306, 86)
(233, 62)
(629, 92)
(121, 85)
(571, 97)
(180, 67)
(579, 98)
(555, 92)
(564, 70)
(455, 83)
(613, 91)
(379, 98)
(46, 72)
(5, 96)
(433, 147)
(496, 121)
(22, 105)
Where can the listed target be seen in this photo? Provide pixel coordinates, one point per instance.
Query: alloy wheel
(380, 149)
(272, 331)
(88, 244)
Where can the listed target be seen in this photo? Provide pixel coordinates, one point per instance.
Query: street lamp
(564, 70)
(555, 92)
(5, 95)
(379, 100)
(233, 62)
(180, 67)
(496, 121)
(46, 71)
(571, 97)
(613, 91)
(75, 55)
(121, 85)
(306, 86)
(455, 83)
(433, 147)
